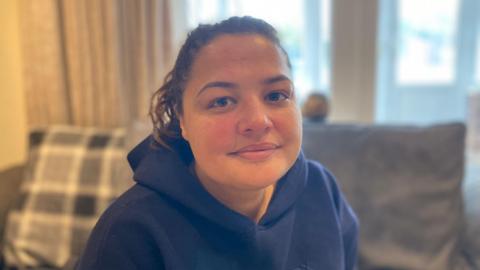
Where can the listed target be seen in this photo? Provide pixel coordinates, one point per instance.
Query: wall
(13, 128)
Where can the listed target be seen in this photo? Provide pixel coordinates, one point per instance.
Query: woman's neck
(251, 203)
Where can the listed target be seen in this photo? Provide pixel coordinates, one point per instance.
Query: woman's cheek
(219, 133)
(288, 123)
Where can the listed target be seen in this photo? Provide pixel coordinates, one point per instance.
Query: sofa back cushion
(404, 183)
(72, 175)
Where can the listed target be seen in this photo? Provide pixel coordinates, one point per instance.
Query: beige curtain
(93, 63)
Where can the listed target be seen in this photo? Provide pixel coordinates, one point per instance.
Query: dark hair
(166, 103)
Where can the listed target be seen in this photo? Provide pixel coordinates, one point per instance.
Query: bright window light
(427, 37)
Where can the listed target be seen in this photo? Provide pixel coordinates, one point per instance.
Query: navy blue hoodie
(167, 220)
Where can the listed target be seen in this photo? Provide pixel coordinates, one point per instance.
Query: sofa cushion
(72, 175)
(404, 182)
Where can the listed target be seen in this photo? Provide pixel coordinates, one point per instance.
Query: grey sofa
(405, 183)
(407, 187)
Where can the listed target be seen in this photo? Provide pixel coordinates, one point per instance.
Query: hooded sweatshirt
(167, 220)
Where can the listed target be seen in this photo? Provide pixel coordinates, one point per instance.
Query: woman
(222, 183)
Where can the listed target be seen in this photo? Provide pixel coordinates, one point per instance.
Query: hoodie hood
(166, 171)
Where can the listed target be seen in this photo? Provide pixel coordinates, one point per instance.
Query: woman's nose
(254, 119)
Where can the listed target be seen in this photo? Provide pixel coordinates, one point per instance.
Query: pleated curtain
(93, 63)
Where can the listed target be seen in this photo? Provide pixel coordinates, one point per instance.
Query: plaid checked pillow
(72, 175)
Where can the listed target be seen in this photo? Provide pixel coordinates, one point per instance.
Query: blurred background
(96, 63)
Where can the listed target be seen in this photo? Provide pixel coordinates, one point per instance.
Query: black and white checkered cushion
(72, 175)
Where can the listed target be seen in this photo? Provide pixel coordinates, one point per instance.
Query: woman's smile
(256, 152)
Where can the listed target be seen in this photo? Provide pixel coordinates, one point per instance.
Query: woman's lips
(256, 152)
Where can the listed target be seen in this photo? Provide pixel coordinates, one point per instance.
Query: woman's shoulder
(125, 228)
(319, 174)
(135, 204)
(321, 180)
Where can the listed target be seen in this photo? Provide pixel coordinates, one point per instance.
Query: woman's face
(239, 113)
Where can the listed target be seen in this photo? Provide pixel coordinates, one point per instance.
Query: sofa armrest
(471, 190)
(10, 181)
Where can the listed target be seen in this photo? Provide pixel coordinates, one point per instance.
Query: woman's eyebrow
(217, 84)
(231, 85)
(275, 79)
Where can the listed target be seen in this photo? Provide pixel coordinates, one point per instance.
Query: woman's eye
(276, 97)
(221, 102)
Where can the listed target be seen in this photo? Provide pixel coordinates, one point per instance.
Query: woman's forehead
(237, 44)
(234, 49)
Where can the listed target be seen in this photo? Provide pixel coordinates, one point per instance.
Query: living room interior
(402, 135)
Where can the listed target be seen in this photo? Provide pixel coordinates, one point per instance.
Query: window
(427, 40)
(303, 27)
(477, 66)
(426, 62)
